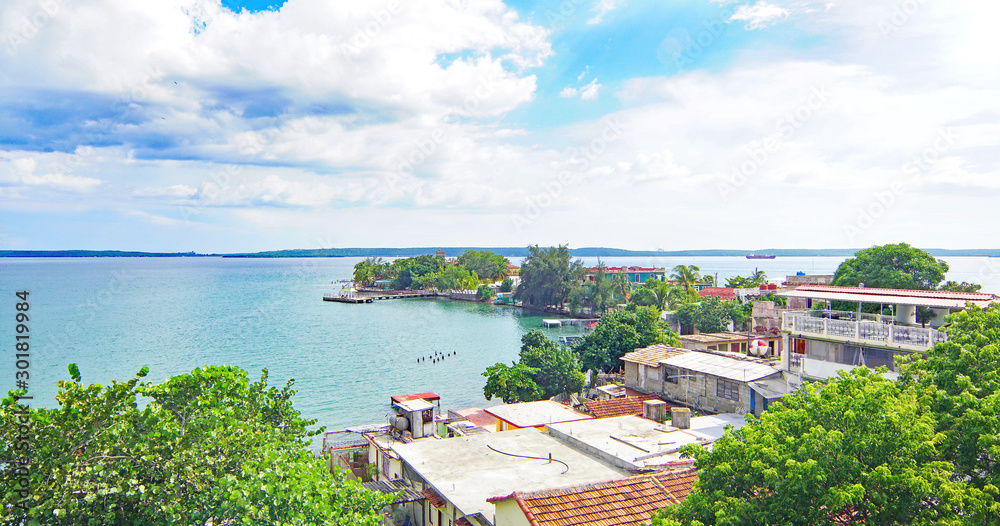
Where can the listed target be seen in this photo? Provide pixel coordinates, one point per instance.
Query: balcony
(865, 329)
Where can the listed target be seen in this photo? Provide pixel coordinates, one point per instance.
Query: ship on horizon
(760, 256)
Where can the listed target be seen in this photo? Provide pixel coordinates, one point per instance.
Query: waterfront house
(628, 501)
(635, 275)
(823, 342)
(533, 414)
(642, 367)
(458, 475)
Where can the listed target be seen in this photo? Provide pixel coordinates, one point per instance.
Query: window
(727, 389)
(670, 375)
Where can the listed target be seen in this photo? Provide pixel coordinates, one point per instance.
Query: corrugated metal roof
(654, 354)
(721, 366)
(923, 298)
(395, 486)
(771, 388)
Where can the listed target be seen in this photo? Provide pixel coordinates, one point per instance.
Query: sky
(181, 125)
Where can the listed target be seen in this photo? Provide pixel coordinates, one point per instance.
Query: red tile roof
(624, 502)
(430, 397)
(479, 417)
(718, 292)
(679, 483)
(434, 498)
(618, 406)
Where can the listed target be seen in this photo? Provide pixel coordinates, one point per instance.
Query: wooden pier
(568, 322)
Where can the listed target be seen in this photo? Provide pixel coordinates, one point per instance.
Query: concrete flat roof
(534, 414)
(722, 366)
(467, 472)
(632, 442)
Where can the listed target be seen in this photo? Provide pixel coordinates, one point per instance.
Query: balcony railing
(871, 329)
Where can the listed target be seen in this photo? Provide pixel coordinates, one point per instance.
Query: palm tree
(368, 270)
(687, 276)
(758, 278)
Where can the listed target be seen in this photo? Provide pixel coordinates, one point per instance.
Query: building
(458, 475)
(642, 367)
(634, 443)
(823, 342)
(720, 382)
(737, 342)
(628, 501)
(803, 279)
(635, 275)
(533, 414)
(628, 405)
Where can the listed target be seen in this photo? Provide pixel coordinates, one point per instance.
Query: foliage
(486, 264)
(620, 332)
(547, 275)
(687, 315)
(558, 368)
(598, 294)
(892, 267)
(860, 450)
(506, 285)
(368, 270)
(410, 273)
(687, 276)
(484, 292)
(511, 383)
(756, 279)
(708, 281)
(959, 381)
(955, 286)
(657, 293)
(713, 314)
(208, 447)
(456, 277)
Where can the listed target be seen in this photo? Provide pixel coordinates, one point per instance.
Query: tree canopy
(892, 267)
(547, 276)
(859, 450)
(544, 370)
(620, 332)
(209, 447)
(486, 264)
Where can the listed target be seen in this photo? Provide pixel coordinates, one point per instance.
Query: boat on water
(760, 256)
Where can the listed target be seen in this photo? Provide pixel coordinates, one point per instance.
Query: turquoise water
(112, 316)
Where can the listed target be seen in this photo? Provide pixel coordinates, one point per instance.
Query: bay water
(112, 316)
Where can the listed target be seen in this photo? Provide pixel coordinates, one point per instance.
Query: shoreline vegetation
(503, 251)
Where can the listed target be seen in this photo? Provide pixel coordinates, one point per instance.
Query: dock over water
(370, 296)
(568, 322)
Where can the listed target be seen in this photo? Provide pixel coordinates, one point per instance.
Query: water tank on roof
(800, 273)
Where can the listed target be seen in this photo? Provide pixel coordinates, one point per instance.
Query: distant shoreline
(455, 251)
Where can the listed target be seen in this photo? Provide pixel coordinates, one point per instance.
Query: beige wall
(508, 513)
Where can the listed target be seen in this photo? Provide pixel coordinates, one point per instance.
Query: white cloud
(20, 172)
(589, 92)
(602, 8)
(568, 92)
(759, 15)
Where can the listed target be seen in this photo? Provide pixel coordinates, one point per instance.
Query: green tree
(620, 332)
(954, 286)
(558, 370)
(506, 285)
(484, 292)
(959, 380)
(486, 264)
(859, 450)
(209, 447)
(687, 276)
(456, 277)
(891, 267)
(547, 276)
(758, 278)
(368, 270)
(739, 282)
(599, 294)
(511, 383)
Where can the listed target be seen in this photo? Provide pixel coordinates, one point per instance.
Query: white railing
(872, 329)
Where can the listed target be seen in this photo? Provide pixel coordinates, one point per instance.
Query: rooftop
(623, 502)
(469, 470)
(479, 417)
(724, 293)
(395, 486)
(727, 367)
(534, 414)
(652, 356)
(632, 442)
(726, 337)
(923, 298)
(618, 406)
(678, 483)
(430, 397)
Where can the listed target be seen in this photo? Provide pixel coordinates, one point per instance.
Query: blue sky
(239, 126)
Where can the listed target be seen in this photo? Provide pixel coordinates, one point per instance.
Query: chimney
(680, 417)
(655, 410)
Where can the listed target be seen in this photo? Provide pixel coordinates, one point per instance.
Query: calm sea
(111, 316)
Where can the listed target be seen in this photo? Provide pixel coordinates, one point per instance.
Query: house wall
(701, 391)
(643, 377)
(508, 513)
